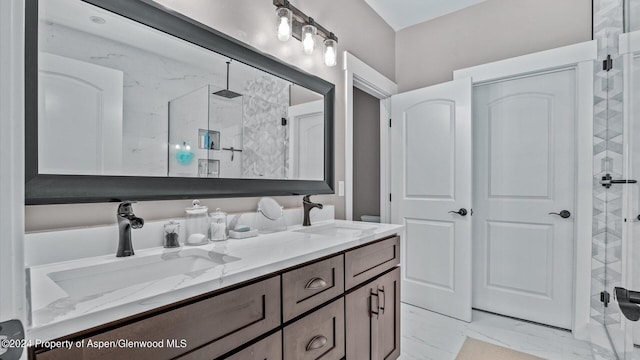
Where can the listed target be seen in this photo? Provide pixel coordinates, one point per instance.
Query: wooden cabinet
(305, 310)
(266, 349)
(373, 319)
(215, 325)
(369, 261)
(319, 335)
(269, 348)
(308, 287)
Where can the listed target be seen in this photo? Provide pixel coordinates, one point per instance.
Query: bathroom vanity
(328, 291)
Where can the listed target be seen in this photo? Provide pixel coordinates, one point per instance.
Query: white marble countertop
(55, 314)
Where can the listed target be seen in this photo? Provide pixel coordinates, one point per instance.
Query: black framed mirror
(129, 100)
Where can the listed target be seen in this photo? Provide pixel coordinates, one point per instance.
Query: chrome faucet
(308, 205)
(127, 220)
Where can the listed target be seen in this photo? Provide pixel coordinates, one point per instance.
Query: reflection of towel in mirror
(184, 156)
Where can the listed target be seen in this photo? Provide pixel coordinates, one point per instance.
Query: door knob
(461, 212)
(563, 214)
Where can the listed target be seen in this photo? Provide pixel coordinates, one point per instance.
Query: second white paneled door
(524, 169)
(431, 183)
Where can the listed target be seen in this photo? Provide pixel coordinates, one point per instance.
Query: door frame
(12, 275)
(362, 76)
(580, 57)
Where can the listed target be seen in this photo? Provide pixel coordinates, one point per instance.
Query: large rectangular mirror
(128, 100)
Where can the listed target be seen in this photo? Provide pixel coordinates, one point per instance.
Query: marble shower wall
(266, 140)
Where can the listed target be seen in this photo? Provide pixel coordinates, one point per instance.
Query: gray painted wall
(366, 154)
(429, 52)
(360, 31)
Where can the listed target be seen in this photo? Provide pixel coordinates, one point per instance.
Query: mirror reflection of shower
(241, 129)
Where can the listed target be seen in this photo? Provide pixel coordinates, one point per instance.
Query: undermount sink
(337, 229)
(97, 279)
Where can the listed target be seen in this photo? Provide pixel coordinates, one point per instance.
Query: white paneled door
(524, 169)
(431, 195)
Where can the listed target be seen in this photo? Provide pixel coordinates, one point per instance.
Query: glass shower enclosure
(616, 218)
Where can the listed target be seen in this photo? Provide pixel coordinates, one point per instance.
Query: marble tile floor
(427, 335)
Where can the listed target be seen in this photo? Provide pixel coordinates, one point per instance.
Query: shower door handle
(461, 212)
(565, 214)
(607, 181)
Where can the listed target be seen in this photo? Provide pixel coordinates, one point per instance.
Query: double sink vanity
(295, 294)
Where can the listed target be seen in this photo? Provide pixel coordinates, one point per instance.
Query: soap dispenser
(197, 224)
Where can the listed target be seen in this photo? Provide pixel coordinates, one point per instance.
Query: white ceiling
(400, 14)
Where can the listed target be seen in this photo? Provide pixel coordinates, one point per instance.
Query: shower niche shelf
(208, 168)
(208, 139)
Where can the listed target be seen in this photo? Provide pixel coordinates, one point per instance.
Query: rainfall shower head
(226, 93)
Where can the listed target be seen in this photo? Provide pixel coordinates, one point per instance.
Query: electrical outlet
(340, 188)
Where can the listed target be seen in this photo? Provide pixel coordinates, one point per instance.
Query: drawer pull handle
(316, 342)
(315, 284)
(382, 300)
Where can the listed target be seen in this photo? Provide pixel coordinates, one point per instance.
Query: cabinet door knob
(315, 284)
(316, 342)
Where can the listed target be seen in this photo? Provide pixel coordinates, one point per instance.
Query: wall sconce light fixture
(293, 22)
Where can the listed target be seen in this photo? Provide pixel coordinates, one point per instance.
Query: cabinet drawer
(310, 286)
(369, 261)
(266, 349)
(221, 323)
(319, 335)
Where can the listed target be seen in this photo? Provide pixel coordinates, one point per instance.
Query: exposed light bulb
(308, 44)
(284, 29)
(308, 39)
(283, 23)
(177, 146)
(330, 53)
(188, 147)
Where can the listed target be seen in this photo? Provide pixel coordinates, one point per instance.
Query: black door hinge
(605, 298)
(607, 64)
(389, 122)
(389, 197)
